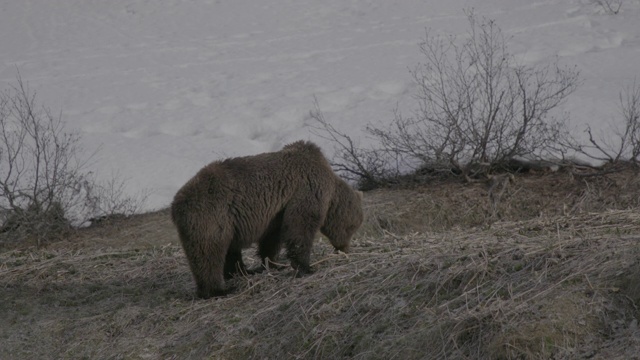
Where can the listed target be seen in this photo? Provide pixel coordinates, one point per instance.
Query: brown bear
(274, 199)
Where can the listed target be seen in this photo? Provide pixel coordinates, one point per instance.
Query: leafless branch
(611, 7)
(476, 105)
(43, 181)
(625, 145)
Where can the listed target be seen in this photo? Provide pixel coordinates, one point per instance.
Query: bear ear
(360, 194)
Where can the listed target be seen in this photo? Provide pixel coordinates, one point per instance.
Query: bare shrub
(369, 168)
(39, 170)
(611, 7)
(107, 200)
(44, 188)
(624, 144)
(36, 221)
(477, 108)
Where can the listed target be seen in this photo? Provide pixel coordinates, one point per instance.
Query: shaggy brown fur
(275, 199)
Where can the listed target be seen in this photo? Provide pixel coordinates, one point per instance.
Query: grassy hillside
(433, 274)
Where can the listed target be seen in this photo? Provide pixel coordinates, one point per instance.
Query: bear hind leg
(299, 228)
(269, 245)
(207, 260)
(233, 264)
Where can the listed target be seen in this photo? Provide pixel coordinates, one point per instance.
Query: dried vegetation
(434, 274)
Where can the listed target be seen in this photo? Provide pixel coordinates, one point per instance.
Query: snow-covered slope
(166, 86)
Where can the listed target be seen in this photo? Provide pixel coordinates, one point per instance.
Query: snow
(164, 87)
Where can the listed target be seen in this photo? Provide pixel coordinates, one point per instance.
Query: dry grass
(446, 206)
(431, 275)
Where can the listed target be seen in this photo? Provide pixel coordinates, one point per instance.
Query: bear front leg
(210, 282)
(205, 291)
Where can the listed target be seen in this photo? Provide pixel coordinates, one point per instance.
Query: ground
(432, 274)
